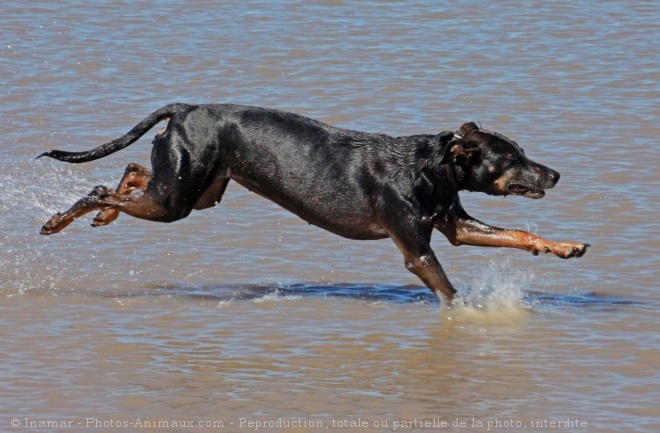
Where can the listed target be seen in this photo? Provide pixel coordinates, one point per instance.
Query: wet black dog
(354, 184)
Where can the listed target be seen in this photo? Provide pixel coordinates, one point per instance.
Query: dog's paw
(105, 217)
(566, 250)
(55, 224)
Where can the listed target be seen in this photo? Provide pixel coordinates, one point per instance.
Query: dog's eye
(512, 157)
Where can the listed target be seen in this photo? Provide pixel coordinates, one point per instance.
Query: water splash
(275, 296)
(30, 192)
(497, 295)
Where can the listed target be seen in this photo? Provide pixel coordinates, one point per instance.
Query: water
(245, 314)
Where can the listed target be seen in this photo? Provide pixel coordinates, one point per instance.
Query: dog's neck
(453, 179)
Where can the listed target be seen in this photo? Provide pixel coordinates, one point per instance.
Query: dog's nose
(554, 177)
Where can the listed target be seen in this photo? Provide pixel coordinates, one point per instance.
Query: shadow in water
(253, 292)
(408, 294)
(586, 300)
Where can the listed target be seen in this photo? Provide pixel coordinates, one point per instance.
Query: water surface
(244, 313)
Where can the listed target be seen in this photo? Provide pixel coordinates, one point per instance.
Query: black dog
(354, 184)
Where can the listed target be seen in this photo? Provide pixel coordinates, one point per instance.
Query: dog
(354, 184)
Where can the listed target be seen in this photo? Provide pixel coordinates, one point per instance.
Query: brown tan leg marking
(97, 199)
(469, 231)
(135, 177)
(142, 205)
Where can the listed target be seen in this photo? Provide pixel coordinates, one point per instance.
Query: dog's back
(314, 170)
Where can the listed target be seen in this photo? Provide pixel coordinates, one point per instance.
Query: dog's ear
(445, 140)
(454, 149)
(465, 128)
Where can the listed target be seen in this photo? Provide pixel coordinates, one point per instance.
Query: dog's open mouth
(518, 189)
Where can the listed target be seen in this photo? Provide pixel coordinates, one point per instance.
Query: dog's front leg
(427, 268)
(420, 259)
(461, 229)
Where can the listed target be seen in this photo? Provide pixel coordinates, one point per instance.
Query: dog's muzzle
(534, 191)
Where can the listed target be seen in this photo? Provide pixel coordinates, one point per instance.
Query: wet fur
(357, 185)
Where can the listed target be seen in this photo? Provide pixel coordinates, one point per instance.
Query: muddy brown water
(243, 317)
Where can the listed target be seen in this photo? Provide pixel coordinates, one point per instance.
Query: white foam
(276, 296)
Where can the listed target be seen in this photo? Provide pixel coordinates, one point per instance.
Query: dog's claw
(581, 252)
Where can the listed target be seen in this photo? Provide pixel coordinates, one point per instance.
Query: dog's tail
(124, 141)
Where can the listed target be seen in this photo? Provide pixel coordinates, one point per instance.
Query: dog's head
(489, 162)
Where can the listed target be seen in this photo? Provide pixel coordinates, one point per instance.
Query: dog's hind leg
(148, 205)
(181, 174)
(95, 200)
(135, 177)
